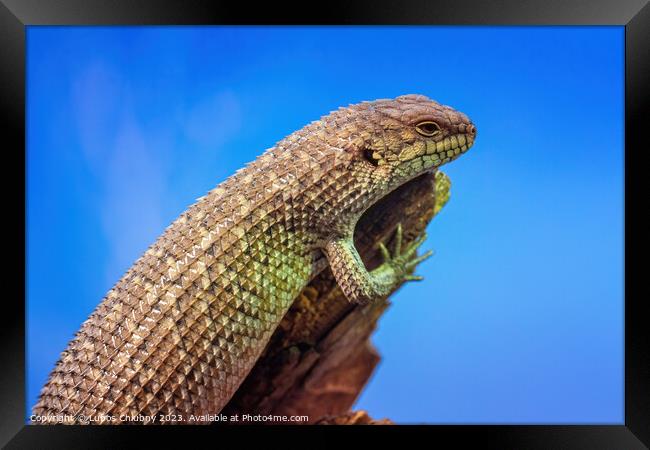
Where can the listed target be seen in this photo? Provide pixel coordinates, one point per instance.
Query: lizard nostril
(471, 130)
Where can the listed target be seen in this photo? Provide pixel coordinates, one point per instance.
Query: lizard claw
(384, 252)
(414, 262)
(398, 239)
(413, 278)
(404, 260)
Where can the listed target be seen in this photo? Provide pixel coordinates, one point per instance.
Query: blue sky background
(520, 316)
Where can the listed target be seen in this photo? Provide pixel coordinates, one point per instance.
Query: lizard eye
(427, 128)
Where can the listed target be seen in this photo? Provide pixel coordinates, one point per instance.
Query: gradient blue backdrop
(520, 316)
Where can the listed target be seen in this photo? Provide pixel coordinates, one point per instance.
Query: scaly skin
(180, 331)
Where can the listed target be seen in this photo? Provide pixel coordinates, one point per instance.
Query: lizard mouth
(441, 152)
(450, 147)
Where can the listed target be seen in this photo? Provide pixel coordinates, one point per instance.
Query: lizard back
(182, 328)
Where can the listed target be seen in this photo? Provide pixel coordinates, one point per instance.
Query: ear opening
(369, 155)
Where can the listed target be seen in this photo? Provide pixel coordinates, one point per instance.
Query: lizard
(178, 333)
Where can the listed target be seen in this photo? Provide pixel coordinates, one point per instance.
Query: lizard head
(389, 142)
(371, 148)
(410, 135)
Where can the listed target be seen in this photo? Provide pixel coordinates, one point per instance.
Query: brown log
(353, 418)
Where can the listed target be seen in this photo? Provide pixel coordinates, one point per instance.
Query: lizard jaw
(428, 158)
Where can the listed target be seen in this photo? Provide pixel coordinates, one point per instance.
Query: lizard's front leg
(361, 286)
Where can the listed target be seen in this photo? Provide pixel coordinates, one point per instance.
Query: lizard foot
(403, 262)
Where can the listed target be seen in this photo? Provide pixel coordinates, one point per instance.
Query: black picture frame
(634, 15)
